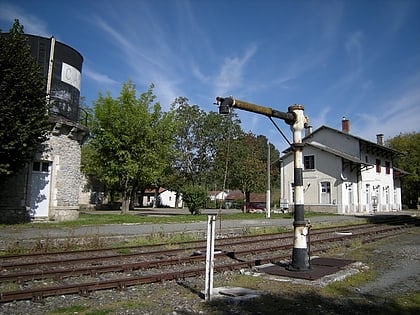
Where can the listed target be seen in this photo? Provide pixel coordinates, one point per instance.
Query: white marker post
(268, 196)
(211, 223)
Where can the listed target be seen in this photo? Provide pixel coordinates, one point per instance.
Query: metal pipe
(50, 69)
(230, 102)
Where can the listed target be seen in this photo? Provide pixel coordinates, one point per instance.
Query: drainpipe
(50, 69)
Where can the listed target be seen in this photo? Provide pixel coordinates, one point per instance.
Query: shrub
(195, 197)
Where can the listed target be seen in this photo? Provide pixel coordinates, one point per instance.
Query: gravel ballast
(395, 261)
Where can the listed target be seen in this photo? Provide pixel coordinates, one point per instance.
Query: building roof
(253, 197)
(371, 145)
(235, 195)
(399, 172)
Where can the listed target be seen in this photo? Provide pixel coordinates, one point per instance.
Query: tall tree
(409, 145)
(187, 159)
(248, 168)
(199, 138)
(23, 107)
(131, 142)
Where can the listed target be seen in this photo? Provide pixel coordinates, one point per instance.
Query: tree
(409, 145)
(248, 168)
(23, 107)
(131, 142)
(198, 140)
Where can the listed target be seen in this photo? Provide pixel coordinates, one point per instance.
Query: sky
(358, 59)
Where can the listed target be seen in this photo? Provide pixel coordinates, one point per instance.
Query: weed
(124, 251)
(246, 230)
(15, 248)
(9, 286)
(75, 309)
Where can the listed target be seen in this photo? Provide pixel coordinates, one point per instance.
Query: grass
(132, 218)
(93, 240)
(95, 219)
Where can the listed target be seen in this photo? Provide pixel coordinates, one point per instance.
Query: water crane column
(297, 120)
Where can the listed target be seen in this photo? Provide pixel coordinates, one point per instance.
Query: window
(388, 167)
(309, 162)
(325, 187)
(44, 167)
(41, 166)
(378, 165)
(36, 166)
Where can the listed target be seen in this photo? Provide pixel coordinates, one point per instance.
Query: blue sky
(359, 59)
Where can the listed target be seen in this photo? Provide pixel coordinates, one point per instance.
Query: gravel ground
(394, 261)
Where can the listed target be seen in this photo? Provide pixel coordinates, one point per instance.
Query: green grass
(113, 218)
(75, 309)
(132, 218)
(95, 219)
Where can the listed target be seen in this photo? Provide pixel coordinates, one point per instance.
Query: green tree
(409, 161)
(195, 198)
(131, 142)
(248, 170)
(199, 138)
(23, 107)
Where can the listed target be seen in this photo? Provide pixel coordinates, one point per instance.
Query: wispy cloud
(397, 114)
(320, 117)
(231, 72)
(99, 78)
(354, 48)
(31, 23)
(145, 51)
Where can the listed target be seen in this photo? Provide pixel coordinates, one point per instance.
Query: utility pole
(297, 120)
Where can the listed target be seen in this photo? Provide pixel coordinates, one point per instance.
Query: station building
(344, 174)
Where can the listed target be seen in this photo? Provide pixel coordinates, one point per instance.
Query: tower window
(387, 167)
(309, 162)
(378, 165)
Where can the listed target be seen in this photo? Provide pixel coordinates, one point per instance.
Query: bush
(195, 197)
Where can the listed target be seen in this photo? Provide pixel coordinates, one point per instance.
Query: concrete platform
(319, 267)
(232, 294)
(323, 271)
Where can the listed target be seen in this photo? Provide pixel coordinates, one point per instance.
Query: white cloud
(320, 118)
(98, 77)
(354, 49)
(398, 114)
(231, 73)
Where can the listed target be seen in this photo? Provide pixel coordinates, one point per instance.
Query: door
(40, 188)
(350, 198)
(325, 193)
(368, 198)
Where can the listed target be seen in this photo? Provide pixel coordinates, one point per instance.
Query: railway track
(36, 276)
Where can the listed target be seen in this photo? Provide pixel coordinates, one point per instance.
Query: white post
(211, 220)
(268, 196)
(50, 69)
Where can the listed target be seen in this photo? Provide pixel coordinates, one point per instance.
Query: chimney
(308, 130)
(345, 125)
(380, 139)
